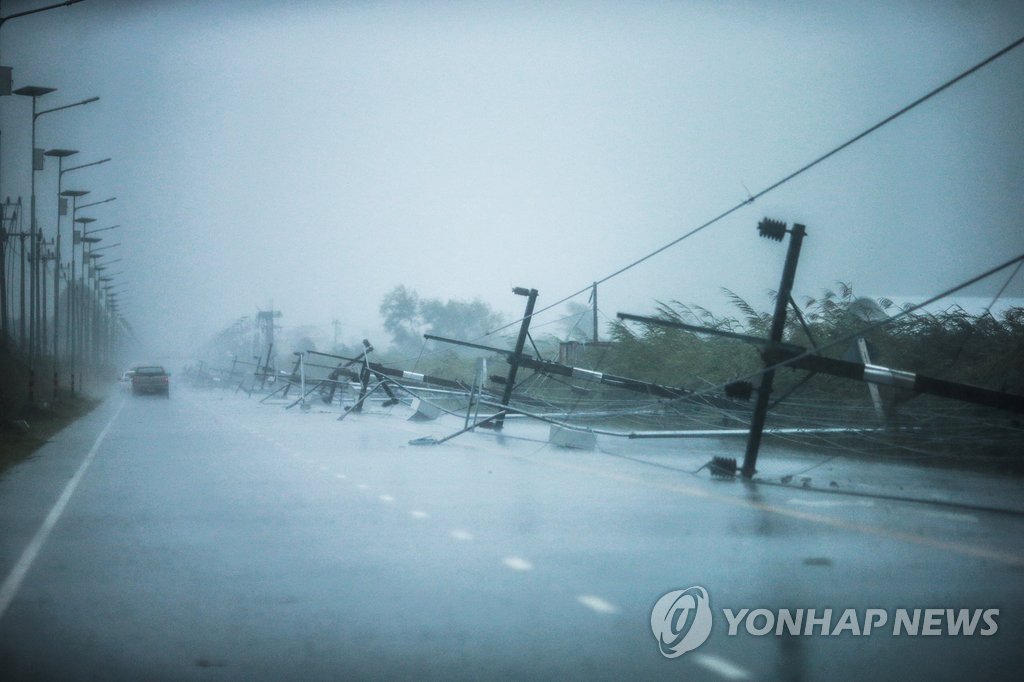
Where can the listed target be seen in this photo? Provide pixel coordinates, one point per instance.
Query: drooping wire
(752, 198)
(875, 325)
(779, 183)
(987, 311)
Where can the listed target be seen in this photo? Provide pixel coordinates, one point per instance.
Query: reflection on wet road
(211, 536)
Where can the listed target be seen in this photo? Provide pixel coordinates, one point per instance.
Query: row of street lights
(92, 304)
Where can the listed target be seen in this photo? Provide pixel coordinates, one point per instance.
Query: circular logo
(681, 621)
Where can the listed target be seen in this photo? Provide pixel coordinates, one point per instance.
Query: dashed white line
(461, 535)
(721, 667)
(386, 498)
(323, 468)
(517, 563)
(340, 476)
(952, 516)
(830, 503)
(417, 514)
(12, 583)
(362, 486)
(595, 603)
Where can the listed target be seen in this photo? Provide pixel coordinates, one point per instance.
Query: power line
(861, 332)
(779, 183)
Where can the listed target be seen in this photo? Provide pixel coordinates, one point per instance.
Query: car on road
(150, 379)
(125, 382)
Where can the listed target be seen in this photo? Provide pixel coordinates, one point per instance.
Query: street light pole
(61, 170)
(74, 299)
(79, 334)
(5, 71)
(60, 154)
(72, 287)
(7, 233)
(35, 92)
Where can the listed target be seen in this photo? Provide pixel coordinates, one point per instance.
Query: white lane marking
(386, 498)
(952, 516)
(417, 514)
(323, 468)
(721, 667)
(340, 476)
(12, 583)
(461, 535)
(363, 486)
(830, 503)
(595, 603)
(517, 563)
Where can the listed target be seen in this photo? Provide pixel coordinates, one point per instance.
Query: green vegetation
(407, 317)
(25, 426)
(952, 344)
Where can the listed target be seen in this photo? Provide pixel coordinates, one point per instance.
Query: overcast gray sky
(313, 154)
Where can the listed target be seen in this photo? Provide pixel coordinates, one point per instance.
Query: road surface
(213, 537)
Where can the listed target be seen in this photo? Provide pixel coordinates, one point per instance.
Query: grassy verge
(18, 443)
(25, 425)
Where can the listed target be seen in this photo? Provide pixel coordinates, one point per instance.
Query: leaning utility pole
(514, 359)
(775, 230)
(593, 302)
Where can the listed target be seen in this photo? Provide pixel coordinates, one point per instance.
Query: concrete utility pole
(9, 214)
(514, 360)
(35, 92)
(60, 154)
(775, 230)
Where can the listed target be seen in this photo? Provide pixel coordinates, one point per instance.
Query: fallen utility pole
(798, 357)
(556, 368)
(400, 373)
(775, 230)
(517, 355)
(364, 376)
(885, 376)
(778, 354)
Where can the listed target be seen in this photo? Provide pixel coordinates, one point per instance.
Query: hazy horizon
(310, 156)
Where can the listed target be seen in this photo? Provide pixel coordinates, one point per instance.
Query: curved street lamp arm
(66, 106)
(37, 10)
(84, 165)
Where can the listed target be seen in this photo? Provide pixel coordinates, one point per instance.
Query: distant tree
(953, 344)
(577, 325)
(458, 319)
(407, 317)
(401, 312)
(233, 341)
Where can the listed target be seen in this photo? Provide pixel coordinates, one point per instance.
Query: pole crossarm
(885, 376)
(791, 355)
(380, 369)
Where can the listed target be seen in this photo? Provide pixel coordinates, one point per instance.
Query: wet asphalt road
(212, 537)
